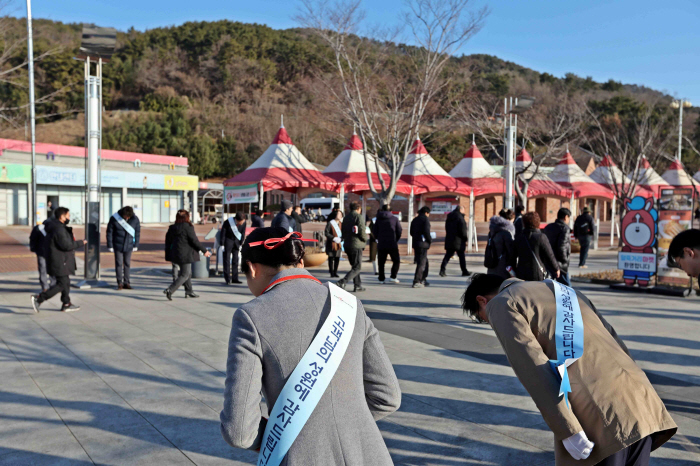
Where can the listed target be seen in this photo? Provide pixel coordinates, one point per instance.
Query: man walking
(598, 403)
(355, 239)
(123, 237)
(256, 219)
(284, 218)
(232, 238)
(583, 231)
(420, 240)
(518, 222)
(455, 240)
(559, 236)
(39, 245)
(387, 230)
(60, 260)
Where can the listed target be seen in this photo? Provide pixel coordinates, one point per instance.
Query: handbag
(544, 271)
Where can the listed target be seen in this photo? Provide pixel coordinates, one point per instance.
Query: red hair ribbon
(273, 243)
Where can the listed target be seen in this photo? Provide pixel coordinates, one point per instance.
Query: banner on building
(241, 194)
(441, 207)
(15, 173)
(675, 216)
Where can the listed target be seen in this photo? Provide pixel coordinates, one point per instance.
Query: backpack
(491, 258)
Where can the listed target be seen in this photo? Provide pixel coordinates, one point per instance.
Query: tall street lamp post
(680, 104)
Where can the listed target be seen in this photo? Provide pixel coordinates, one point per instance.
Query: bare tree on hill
(389, 96)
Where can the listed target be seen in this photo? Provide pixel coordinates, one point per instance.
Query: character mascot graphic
(639, 235)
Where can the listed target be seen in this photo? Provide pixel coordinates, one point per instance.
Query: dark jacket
(528, 244)
(182, 245)
(387, 230)
(283, 220)
(38, 240)
(584, 225)
(330, 234)
(60, 260)
(228, 239)
(256, 221)
(559, 236)
(420, 232)
(119, 239)
(351, 239)
(501, 235)
(455, 230)
(518, 224)
(298, 220)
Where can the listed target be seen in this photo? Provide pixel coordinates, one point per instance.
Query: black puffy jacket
(455, 230)
(528, 244)
(119, 239)
(60, 260)
(387, 230)
(584, 225)
(559, 236)
(39, 239)
(182, 245)
(420, 232)
(501, 233)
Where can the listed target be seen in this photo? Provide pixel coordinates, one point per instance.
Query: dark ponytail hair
(290, 253)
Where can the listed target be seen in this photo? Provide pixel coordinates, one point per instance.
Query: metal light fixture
(524, 104)
(98, 42)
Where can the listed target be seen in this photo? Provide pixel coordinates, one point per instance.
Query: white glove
(136, 249)
(111, 249)
(578, 446)
(336, 240)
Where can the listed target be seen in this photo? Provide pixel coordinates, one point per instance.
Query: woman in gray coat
(269, 336)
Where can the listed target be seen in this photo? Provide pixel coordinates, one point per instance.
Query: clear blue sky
(654, 43)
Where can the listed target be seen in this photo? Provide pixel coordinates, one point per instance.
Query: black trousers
(230, 265)
(355, 259)
(62, 286)
(460, 254)
(421, 265)
(333, 265)
(122, 262)
(637, 454)
(585, 242)
(395, 261)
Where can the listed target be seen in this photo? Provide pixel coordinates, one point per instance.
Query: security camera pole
(97, 47)
(510, 121)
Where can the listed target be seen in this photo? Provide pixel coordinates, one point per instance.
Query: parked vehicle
(325, 204)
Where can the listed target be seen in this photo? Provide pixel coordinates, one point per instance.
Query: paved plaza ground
(135, 379)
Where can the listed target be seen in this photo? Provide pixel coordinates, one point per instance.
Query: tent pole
(597, 224)
(572, 207)
(471, 222)
(612, 222)
(260, 198)
(341, 196)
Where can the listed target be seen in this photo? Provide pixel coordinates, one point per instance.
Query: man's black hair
(385, 207)
(519, 209)
(482, 284)
(424, 210)
(354, 206)
(59, 212)
(563, 213)
(685, 239)
(241, 216)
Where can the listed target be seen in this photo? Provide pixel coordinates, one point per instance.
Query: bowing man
(598, 403)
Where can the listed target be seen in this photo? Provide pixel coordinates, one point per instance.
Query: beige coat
(612, 400)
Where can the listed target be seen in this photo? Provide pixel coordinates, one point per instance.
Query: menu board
(675, 216)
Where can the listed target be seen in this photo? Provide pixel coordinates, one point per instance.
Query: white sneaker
(382, 282)
(394, 280)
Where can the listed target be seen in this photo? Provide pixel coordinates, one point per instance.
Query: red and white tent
(540, 185)
(649, 179)
(424, 174)
(474, 171)
(283, 166)
(348, 169)
(675, 175)
(570, 175)
(608, 175)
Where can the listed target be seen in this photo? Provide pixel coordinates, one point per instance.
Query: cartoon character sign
(639, 238)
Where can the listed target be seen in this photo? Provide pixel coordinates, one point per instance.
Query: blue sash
(311, 377)
(42, 229)
(129, 229)
(568, 334)
(234, 227)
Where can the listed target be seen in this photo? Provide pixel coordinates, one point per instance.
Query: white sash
(311, 377)
(337, 229)
(234, 227)
(129, 229)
